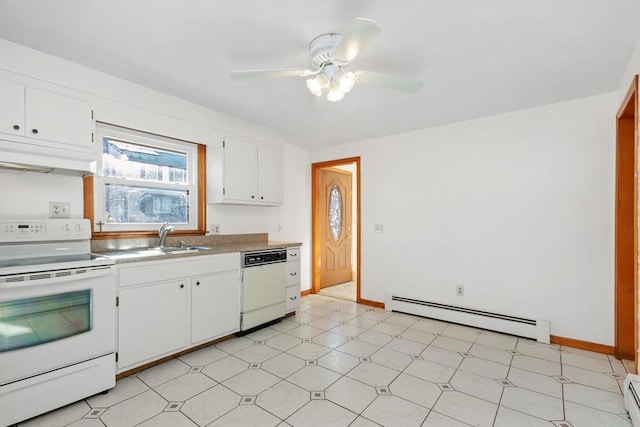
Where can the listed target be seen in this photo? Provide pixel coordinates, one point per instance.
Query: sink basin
(173, 250)
(169, 250)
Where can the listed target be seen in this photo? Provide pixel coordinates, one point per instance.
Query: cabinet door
(240, 170)
(292, 273)
(152, 322)
(215, 306)
(54, 117)
(270, 164)
(11, 108)
(292, 301)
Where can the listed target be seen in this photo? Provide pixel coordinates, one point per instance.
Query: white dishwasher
(263, 287)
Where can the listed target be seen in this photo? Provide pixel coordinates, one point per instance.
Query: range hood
(46, 164)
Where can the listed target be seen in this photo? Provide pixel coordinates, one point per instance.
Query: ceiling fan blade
(389, 82)
(359, 33)
(274, 72)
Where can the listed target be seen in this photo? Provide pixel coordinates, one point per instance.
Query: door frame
(316, 240)
(626, 254)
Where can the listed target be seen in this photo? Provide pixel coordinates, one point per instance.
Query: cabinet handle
(197, 283)
(261, 197)
(293, 274)
(293, 254)
(181, 285)
(16, 127)
(253, 197)
(34, 131)
(293, 298)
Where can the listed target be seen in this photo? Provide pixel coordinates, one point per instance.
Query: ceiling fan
(331, 54)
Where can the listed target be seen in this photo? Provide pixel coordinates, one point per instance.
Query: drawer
(292, 298)
(292, 273)
(293, 254)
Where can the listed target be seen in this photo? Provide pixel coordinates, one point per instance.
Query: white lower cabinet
(152, 321)
(215, 307)
(162, 310)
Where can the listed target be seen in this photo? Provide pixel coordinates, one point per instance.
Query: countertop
(124, 250)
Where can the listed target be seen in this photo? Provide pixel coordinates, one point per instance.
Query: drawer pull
(181, 285)
(197, 283)
(34, 131)
(16, 127)
(295, 273)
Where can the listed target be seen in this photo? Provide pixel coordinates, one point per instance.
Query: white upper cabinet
(45, 118)
(245, 172)
(12, 96)
(270, 172)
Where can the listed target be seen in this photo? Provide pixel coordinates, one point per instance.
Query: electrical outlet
(214, 228)
(460, 290)
(280, 227)
(59, 210)
(378, 228)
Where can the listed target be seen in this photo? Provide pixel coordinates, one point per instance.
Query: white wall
(127, 104)
(518, 208)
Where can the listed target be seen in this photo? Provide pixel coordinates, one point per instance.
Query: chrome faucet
(162, 233)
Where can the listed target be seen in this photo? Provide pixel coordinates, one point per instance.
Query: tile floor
(336, 363)
(343, 291)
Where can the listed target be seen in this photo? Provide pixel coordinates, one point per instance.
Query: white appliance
(57, 317)
(632, 398)
(263, 287)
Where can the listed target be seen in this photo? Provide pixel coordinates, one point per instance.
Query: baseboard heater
(520, 326)
(631, 398)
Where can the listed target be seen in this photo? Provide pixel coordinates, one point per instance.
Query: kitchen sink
(169, 250)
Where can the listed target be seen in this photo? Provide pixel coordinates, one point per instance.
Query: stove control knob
(67, 227)
(78, 227)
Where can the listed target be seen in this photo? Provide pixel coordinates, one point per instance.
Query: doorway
(626, 228)
(335, 228)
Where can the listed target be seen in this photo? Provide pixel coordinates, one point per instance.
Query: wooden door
(335, 227)
(626, 232)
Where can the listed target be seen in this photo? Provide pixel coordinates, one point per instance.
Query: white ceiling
(475, 57)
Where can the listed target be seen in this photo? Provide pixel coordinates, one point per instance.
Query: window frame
(94, 185)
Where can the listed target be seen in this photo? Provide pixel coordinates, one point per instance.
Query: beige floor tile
(169, 419)
(251, 382)
(465, 408)
(351, 394)
(184, 387)
(393, 411)
(532, 403)
(477, 386)
(314, 378)
(321, 413)
(225, 368)
(207, 407)
(246, 416)
(135, 410)
(283, 399)
(416, 390)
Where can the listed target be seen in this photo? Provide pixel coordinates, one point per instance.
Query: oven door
(56, 321)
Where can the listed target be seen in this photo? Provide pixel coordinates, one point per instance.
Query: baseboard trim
(305, 293)
(371, 303)
(583, 345)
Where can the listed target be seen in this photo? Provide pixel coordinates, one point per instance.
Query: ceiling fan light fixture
(347, 81)
(314, 87)
(335, 94)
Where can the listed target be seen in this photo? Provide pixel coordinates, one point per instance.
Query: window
(144, 180)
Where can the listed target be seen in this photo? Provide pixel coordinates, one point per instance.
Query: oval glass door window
(335, 212)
